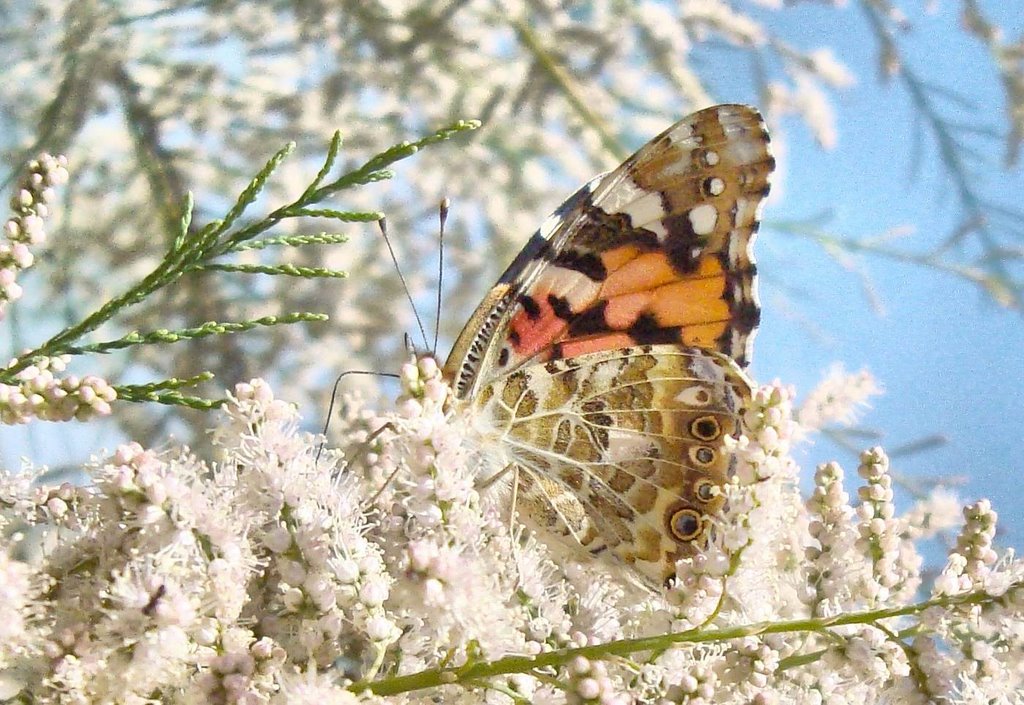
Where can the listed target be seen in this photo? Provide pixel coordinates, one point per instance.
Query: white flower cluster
(461, 568)
(40, 394)
(970, 563)
(837, 399)
(895, 567)
(30, 205)
(16, 595)
(190, 583)
(389, 573)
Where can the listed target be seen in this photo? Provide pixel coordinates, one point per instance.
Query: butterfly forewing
(656, 251)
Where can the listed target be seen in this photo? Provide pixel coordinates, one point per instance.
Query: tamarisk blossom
(33, 197)
(389, 571)
(36, 391)
(839, 399)
(39, 393)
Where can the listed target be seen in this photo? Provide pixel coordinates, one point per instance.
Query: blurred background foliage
(151, 100)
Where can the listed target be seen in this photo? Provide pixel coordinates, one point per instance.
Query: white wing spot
(716, 186)
(711, 157)
(624, 445)
(703, 218)
(575, 287)
(746, 211)
(642, 206)
(549, 225)
(604, 377)
(682, 165)
(644, 210)
(745, 151)
(706, 369)
(680, 132)
(694, 396)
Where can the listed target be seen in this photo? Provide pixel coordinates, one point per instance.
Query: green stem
(373, 170)
(434, 677)
(564, 81)
(205, 330)
(59, 344)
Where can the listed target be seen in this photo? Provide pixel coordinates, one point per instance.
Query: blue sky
(950, 359)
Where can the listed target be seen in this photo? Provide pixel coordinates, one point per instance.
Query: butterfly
(605, 366)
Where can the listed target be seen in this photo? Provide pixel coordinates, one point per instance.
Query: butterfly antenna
(442, 214)
(383, 225)
(334, 397)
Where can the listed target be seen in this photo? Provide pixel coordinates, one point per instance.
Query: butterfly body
(605, 366)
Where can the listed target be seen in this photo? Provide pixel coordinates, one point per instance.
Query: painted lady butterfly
(606, 363)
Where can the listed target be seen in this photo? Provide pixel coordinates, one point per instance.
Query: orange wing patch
(649, 284)
(676, 298)
(644, 301)
(640, 272)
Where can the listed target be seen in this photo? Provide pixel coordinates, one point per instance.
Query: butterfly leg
(364, 448)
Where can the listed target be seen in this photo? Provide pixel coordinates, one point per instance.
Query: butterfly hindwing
(621, 450)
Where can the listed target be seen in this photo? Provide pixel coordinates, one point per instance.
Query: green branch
(190, 252)
(293, 241)
(130, 392)
(166, 392)
(207, 329)
(432, 678)
(288, 270)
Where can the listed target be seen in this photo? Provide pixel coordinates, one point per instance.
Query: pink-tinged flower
(590, 683)
(30, 205)
(40, 394)
(697, 589)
